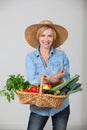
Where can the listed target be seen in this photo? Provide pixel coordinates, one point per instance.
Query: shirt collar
(52, 50)
(37, 53)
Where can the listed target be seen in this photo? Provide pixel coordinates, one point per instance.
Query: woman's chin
(46, 47)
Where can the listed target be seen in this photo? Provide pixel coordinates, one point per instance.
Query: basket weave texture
(40, 99)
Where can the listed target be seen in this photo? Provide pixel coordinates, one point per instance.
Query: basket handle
(41, 84)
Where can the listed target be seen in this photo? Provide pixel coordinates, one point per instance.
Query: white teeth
(46, 43)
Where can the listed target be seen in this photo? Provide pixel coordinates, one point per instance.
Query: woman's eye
(42, 35)
(50, 35)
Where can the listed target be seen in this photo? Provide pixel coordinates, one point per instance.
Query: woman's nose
(46, 38)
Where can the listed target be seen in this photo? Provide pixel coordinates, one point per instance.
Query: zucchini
(48, 91)
(51, 92)
(68, 83)
(64, 91)
(73, 82)
(75, 90)
(77, 85)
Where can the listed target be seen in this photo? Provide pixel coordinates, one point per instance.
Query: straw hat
(31, 31)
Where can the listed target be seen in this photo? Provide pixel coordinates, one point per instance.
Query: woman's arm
(61, 75)
(56, 79)
(32, 77)
(66, 67)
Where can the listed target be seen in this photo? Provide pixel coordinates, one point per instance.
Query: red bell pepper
(34, 89)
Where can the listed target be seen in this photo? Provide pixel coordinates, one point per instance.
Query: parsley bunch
(13, 83)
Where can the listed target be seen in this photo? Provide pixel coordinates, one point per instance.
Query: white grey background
(15, 16)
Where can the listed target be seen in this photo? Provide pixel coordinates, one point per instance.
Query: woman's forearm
(52, 80)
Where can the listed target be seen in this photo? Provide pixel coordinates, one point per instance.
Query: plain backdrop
(15, 16)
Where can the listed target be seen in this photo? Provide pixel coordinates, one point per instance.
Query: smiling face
(46, 36)
(46, 39)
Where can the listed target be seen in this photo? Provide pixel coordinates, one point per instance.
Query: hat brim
(31, 31)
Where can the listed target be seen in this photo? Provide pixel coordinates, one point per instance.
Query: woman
(53, 64)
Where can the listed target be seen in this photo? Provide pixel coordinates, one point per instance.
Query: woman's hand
(47, 78)
(56, 79)
(60, 74)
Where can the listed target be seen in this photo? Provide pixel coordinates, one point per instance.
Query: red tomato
(37, 91)
(34, 88)
(26, 90)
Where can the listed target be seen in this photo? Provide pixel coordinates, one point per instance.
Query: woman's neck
(45, 53)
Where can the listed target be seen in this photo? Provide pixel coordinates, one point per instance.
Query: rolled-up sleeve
(32, 77)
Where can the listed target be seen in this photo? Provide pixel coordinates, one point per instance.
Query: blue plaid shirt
(35, 67)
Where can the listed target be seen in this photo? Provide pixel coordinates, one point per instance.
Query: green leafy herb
(13, 83)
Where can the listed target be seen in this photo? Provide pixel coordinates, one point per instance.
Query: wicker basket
(40, 99)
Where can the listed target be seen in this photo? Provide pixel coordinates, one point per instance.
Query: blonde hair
(42, 29)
